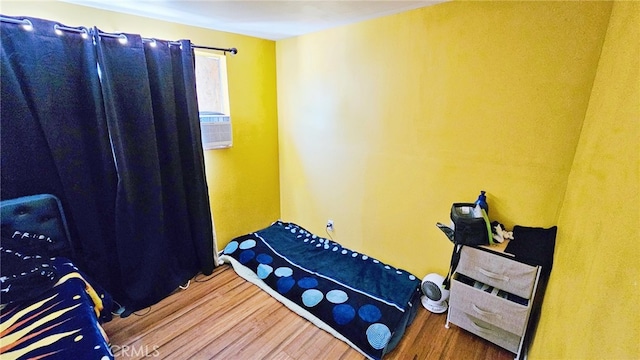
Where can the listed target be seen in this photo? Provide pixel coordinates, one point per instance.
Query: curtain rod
(233, 51)
(28, 25)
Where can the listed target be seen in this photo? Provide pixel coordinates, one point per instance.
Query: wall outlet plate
(330, 225)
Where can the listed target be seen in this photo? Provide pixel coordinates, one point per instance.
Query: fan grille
(431, 291)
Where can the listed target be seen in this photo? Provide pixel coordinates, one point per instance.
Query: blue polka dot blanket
(50, 309)
(358, 299)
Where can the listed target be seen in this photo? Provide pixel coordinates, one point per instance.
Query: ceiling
(272, 20)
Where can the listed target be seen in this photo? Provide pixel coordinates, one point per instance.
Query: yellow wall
(592, 307)
(243, 180)
(385, 123)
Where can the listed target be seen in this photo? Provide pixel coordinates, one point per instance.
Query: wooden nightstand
(494, 296)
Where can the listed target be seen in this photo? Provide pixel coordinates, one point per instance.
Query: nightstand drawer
(497, 271)
(484, 306)
(481, 328)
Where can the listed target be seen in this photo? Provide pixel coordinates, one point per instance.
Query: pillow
(534, 246)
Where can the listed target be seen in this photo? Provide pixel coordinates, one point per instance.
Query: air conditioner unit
(216, 130)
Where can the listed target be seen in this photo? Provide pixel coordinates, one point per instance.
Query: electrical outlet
(329, 225)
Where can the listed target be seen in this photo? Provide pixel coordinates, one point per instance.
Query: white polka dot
(264, 271)
(337, 296)
(247, 244)
(378, 335)
(312, 297)
(283, 272)
(364, 257)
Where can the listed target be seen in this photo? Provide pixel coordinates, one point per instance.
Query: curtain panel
(112, 129)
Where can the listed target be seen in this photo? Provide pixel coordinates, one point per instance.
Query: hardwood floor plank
(277, 331)
(172, 325)
(225, 317)
(340, 350)
(212, 324)
(296, 348)
(290, 332)
(242, 335)
(134, 326)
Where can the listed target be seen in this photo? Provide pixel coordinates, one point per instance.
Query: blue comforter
(50, 309)
(362, 299)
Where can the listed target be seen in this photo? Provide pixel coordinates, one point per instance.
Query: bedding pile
(50, 309)
(358, 299)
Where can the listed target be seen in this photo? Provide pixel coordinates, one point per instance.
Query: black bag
(471, 227)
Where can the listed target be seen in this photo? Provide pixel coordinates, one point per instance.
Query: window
(213, 101)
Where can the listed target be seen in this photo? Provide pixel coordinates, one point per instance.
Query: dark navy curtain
(112, 129)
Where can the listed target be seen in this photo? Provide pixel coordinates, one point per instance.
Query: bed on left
(49, 308)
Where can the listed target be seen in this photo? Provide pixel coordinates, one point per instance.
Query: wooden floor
(225, 317)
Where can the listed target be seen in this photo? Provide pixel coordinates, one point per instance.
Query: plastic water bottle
(482, 201)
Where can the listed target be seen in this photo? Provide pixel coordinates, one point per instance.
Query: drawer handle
(485, 312)
(493, 275)
(478, 327)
